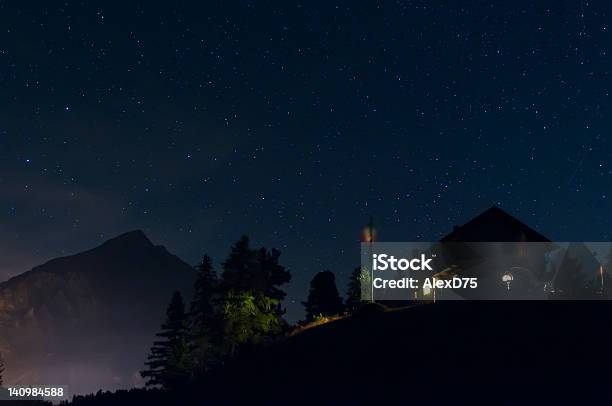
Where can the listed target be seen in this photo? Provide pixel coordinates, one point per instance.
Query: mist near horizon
(87, 321)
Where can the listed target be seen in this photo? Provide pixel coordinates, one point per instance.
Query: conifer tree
(255, 271)
(168, 360)
(570, 282)
(323, 297)
(201, 308)
(250, 297)
(1, 369)
(248, 319)
(239, 269)
(274, 274)
(353, 296)
(202, 317)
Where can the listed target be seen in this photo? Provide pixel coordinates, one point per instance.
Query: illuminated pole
(369, 238)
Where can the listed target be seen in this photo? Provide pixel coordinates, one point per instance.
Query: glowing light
(507, 278)
(369, 234)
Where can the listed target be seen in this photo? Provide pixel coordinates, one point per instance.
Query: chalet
(510, 259)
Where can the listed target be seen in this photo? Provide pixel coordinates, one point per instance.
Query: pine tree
(201, 308)
(202, 315)
(248, 319)
(353, 296)
(1, 369)
(570, 282)
(250, 297)
(168, 361)
(607, 269)
(608, 266)
(274, 274)
(256, 271)
(239, 269)
(323, 298)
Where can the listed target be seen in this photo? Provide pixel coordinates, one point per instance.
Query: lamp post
(507, 278)
(369, 234)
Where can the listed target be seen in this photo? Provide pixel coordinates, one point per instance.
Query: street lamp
(507, 278)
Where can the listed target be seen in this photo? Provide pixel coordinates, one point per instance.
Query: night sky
(294, 123)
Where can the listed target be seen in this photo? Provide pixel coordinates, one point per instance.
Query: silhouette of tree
(202, 316)
(239, 268)
(570, 282)
(274, 274)
(1, 369)
(249, 319)
(256, 271)
(353, 299)
(323, 297)
(201, 308)
(608, 265)
(250, 295)
(605, 278)
(168, 361)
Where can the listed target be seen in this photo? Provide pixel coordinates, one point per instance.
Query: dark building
(506, 259)
(509, 258)
(494, 225)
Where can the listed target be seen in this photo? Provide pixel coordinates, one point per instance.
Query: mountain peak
(131, 239)
(64, 309)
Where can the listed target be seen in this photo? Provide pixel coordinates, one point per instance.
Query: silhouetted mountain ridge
(89, 314)
(123, 244)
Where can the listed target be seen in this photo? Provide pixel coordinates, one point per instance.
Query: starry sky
(294, 123)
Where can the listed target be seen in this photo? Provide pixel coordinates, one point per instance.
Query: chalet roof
(494, 224)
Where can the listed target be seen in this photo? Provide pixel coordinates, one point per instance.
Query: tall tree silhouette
(256, 271)
(570, 281)
(202, 315)
(608, 266)
(168, 361)
(603, 276)
(323, 297)
(251, 295)
(201, 307)
(353, 294)
(239, 269)
(249, 319)
(1, 370)
(274, 274)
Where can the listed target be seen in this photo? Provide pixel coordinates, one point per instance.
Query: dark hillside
(495, 350)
